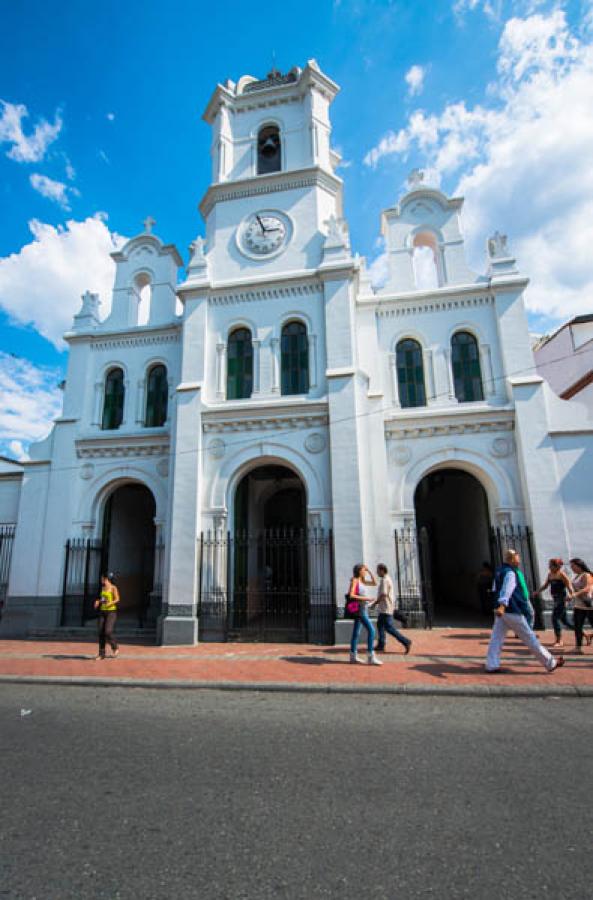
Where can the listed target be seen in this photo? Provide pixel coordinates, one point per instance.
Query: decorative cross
(498, 245)
(148, 223)
(415, 178)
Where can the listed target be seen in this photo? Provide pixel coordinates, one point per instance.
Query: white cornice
(313, 176)
(269, 416)
(122, 445)
(139, 335)
(433, 423)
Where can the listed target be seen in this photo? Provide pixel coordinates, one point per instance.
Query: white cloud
(41, 285)
(53, 190)
(31, 147)
(110, 116)
(414, 78)
(522, 159)
(30, 400)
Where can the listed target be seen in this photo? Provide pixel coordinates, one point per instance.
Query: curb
(422, 690)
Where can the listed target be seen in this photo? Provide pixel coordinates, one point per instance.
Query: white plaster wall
(10, 494)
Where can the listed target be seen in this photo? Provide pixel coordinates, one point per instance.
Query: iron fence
(276, 585)
(414, 576)
(6, 545)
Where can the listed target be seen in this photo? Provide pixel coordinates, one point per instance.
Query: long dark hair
(576, 561)
(357, 569)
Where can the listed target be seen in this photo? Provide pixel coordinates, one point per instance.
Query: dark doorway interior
(269, 599)
(129, 547)
(452, 506)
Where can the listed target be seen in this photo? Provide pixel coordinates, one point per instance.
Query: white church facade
(234, 440)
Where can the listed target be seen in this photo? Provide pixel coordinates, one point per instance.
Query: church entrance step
(126, 633)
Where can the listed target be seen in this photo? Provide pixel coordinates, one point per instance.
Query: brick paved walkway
(442, 658)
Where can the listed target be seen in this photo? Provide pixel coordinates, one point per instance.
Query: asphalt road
(119, 793)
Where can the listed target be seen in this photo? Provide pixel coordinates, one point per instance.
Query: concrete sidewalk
(445, 660)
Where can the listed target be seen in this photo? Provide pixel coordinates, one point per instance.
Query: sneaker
(354, 658)
(407, 648)
(115, 653)
(373, 661)
(379, 649)
(559, 662)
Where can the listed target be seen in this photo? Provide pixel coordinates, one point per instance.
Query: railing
(273, 585)
(6, 545)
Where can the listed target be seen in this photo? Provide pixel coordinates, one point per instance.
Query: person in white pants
(510, 615)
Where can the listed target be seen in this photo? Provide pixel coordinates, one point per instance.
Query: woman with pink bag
(357, 605)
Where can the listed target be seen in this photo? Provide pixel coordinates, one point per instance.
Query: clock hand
(273, 229)
(261, 225)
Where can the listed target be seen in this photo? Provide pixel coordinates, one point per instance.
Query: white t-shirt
(387, 604)
(364, 593)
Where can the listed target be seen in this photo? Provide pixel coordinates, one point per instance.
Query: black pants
(106, 626)
(580, 617)
(560, 617)
(386, 625)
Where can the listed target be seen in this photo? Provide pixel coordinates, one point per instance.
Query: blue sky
(101, 125)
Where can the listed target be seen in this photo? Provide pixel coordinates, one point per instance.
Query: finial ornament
(415, 178)
(498, 246)
(196, 248)
(335, 230)
(148, 224)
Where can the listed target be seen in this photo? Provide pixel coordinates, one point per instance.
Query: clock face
(263, 234)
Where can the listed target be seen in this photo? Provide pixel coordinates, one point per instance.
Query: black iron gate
(414, 555)
(276, 585)
(6, 544)
(84, 563)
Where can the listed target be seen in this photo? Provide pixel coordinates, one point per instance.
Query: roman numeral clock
(264, 234)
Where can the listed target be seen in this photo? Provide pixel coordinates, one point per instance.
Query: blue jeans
(362, 621)
(559, 618)
(386, 625)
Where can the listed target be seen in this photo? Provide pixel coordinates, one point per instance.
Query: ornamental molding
(399, 308)
(114, 343)
(122, 446)
(221, 423)
(269, 184)
(250, 295)
(399, 431)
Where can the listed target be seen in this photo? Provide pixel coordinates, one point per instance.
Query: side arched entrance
(269, 578)
(453, 525)
(127, 547)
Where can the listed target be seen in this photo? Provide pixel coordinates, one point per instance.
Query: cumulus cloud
(522, 159)
(414, 78)
(26, 147)
(30, 399)
(41, 285)
(53, 190)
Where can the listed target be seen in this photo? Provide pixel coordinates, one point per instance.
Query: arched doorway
(128, 548)
(453, 521)
(270, 566)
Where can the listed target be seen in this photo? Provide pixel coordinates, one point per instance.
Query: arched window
(157, 395)
(294, 356)
(425, 261)
(410, 373)
(239, 365)
(465, 360)
(269, 150)
(144, 291)
(113, 402)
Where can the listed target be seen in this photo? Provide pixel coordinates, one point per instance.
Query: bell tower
(274, 182)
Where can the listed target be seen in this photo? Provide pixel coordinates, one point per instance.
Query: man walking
(512, 612)
(385, 603)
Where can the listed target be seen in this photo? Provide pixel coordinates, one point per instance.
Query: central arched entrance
(128, 548)
(453, 522)
(269, 565)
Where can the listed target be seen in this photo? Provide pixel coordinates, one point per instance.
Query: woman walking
(107, 606)
(561, 590)
(362, 579)
(582, 586)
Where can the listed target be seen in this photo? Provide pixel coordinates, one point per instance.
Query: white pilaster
(275, 351)
(220, 371)
(256, 344)
(393, 376)
(312, 339)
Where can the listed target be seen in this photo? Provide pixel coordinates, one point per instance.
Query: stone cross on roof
(148, 223)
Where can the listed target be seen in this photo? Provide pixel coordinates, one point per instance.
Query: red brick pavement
(439, 658)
